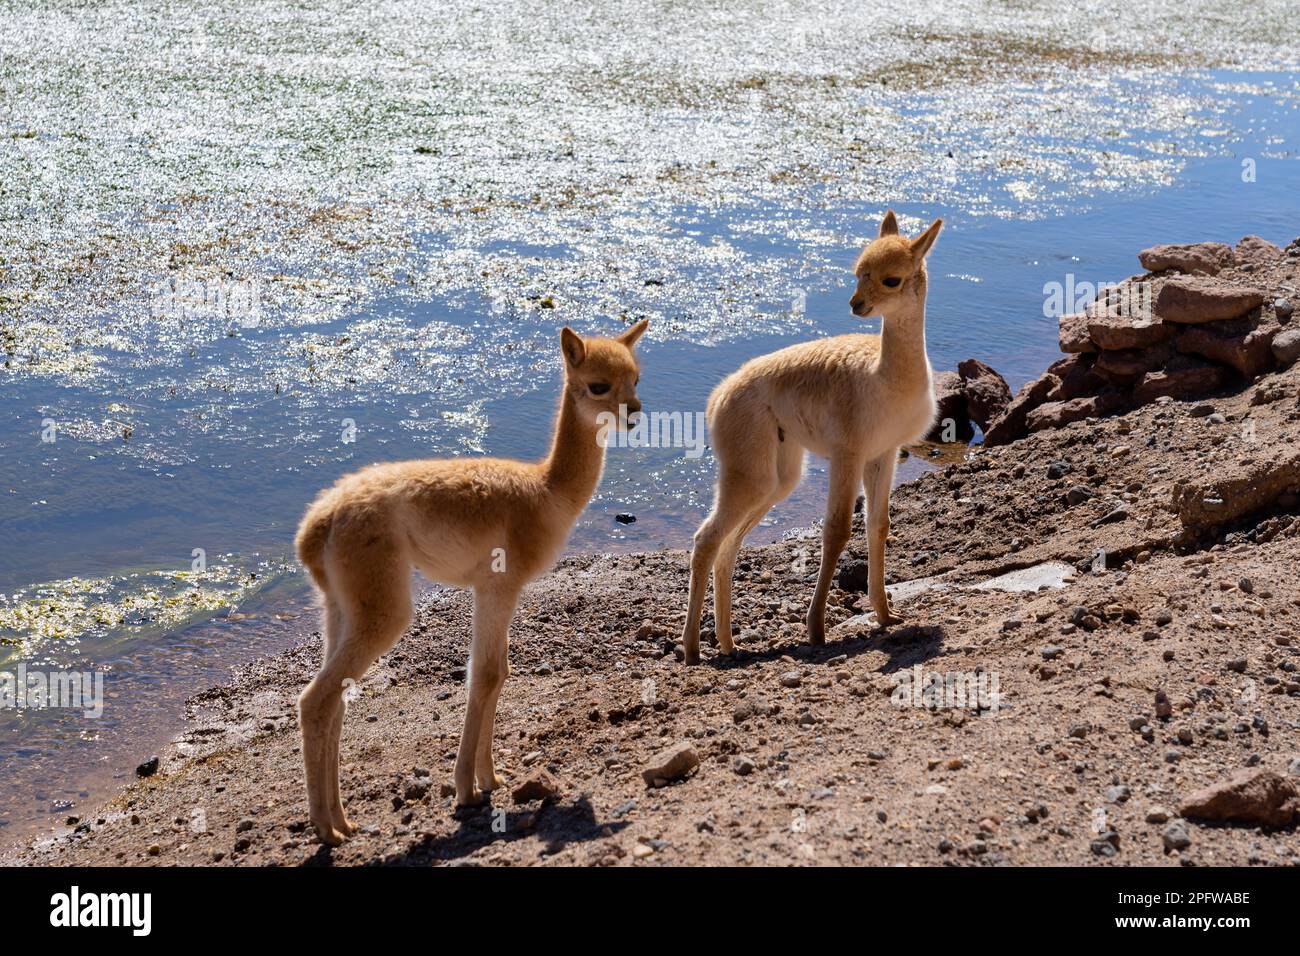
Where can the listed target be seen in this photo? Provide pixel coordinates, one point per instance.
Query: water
(150, 539)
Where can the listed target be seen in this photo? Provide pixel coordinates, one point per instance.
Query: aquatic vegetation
(78, 611)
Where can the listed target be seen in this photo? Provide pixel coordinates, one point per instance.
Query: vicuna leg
(878, 480)
(493, 609)
(737, 500)
(364, 617)
(789, 469)
(845, 475)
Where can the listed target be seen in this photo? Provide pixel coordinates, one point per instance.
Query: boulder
(952, 423)
(1077, 377)
(1125, 366)
(1011, 425)
(1260, 797)
(1286, 347)
(1073, 333)
(1186, 376)
(1250, 353)
(1115, 332)
(987, 392)
(1257, 251)
(1208, 257)
(1194, 299)
(1057, 414)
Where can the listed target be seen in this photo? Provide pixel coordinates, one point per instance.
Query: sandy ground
(810, 755)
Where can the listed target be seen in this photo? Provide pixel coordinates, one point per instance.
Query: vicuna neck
(573, 467)
(902, 340)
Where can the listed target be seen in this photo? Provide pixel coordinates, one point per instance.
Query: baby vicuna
(489, 524)
(854, 399)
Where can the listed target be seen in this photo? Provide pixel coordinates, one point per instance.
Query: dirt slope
(806, 756)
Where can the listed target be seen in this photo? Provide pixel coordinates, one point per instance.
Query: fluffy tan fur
(853, 399)
(489, 524)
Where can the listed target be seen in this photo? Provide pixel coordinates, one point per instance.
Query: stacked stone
(1206, 320)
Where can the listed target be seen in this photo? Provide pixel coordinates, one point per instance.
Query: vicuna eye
(598, 388)
(891, 282)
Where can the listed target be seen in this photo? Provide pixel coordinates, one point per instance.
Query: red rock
(987, 392)
(538, 785)
(952, 422)
(1208, 257)
(1250, 354)
(670, 764)
(1057, 414)
(1193, 299)
(1261, 797)
(1126, 332)
(1077, 377)
(1123, 366)
(1074, 333)
(1257, 251)
(1011, 425)
(1184, 377)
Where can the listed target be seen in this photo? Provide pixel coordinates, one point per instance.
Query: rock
(1058, 414)
(853, 576)
(987, 392)
(743, 765)
(538, 785)
(1073, 333)
(1011, 426)
(672, 763)
(1078, 377)
(1192, 300)
(1106, 844)
(1249, 796)
(417, 787)
(624, 518)
(1175, 836)
(148, 768)
(1078, 495)
(1118, 513)
(1157, 815)
(1286, 347)
(791, 679)
(1256, 251)
(1250, 354)
(1123, 366)
(1183, 378)
(1283, 309)
(1058, 469)
(1126, 331)
(952, 423)
(752, 706)
(1209, 257)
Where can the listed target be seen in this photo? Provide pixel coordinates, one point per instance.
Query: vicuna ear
(889, 225)
(629, 338)
(573, 347)
(922, 243)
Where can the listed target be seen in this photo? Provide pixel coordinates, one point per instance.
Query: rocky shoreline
(1100, 663)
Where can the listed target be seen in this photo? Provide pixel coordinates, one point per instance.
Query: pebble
(743, 765)
(1175, 836)
(148, 768)
(791, 679)
(1157, 815)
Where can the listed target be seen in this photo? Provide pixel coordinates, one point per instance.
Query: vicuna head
(891, 270)
(602, 374)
